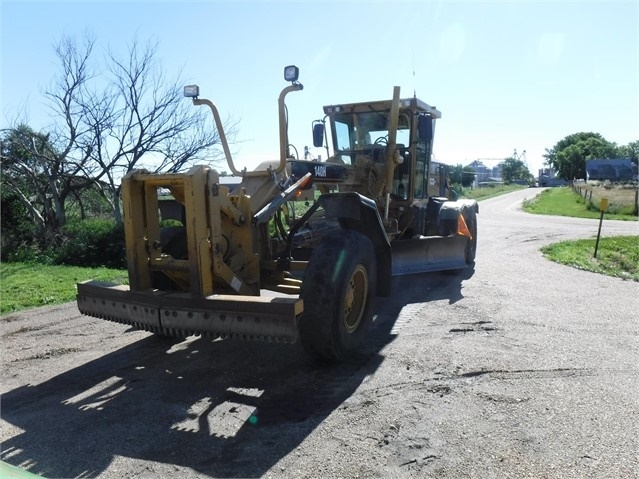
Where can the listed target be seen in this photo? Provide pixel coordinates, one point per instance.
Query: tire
(338, 291)
(172, 242)
(471, 245)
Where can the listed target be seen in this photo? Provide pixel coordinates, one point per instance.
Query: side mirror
(318, 134)
(425, 127)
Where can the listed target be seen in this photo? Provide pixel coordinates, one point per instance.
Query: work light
(291, 73)
(191, 91)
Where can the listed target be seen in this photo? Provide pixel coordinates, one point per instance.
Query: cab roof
(383, 105)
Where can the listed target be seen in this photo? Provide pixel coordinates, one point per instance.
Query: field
(622, 198)
(582, 201)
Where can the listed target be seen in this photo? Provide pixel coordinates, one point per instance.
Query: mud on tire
(338, 291)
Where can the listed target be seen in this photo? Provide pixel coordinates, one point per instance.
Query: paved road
(518, 368)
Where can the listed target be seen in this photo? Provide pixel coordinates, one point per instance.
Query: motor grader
(250, 263)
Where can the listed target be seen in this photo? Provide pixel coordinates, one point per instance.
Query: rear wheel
(173, 243)
(338, 292)
(471, 245)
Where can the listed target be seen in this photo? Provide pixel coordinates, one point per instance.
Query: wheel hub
(355, 299)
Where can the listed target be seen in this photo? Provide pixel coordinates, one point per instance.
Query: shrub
(18, 230)
(26, 252)
(92, 243)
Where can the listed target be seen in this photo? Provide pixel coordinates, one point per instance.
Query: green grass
(565, 202)
(24, 286)
(616, 256)
(489, 191)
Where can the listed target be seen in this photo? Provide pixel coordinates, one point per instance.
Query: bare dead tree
(150, 126)
(108, 123)
(43, 169)
(70, 132)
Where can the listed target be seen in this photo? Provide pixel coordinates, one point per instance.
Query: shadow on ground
(222, 408)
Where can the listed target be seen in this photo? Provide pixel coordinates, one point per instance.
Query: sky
(508, 76)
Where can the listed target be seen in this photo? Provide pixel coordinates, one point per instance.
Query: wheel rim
(355, 299)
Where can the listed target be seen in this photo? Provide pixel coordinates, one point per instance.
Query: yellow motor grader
(238, 263)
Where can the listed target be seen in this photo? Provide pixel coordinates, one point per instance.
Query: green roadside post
(603, 206)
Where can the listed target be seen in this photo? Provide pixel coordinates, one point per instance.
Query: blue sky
(506, 75)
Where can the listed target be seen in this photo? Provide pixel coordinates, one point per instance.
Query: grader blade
(268, 318)
(116, 303)
(428, 254)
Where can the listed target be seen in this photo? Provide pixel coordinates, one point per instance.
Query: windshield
(360, 131)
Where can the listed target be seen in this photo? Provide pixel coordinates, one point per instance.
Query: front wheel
(338, 292)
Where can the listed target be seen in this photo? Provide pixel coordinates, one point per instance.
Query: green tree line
(568, 157)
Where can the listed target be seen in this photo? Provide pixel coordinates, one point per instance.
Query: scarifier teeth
(172, 332)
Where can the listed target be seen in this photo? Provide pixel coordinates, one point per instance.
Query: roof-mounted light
(291, 73)
(191, 91)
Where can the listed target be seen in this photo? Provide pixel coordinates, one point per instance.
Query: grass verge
(24, 286)
(565, 202)
(489, 191)
(616, 256)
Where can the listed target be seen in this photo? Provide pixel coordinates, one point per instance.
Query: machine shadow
(221, 408)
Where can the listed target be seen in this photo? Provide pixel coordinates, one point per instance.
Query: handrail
(283, 134)
(220, 131)
(284, 124)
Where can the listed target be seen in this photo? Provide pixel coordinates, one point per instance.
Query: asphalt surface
(517, 368)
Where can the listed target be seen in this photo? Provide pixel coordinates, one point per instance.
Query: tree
(33, 172)
(631, 150)
(132, 117)
(462, 175)
(15, 222)
(514, 169)
(455, 174)
(52, 162)
(568, 157)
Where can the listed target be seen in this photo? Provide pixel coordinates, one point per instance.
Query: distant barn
(623, 169)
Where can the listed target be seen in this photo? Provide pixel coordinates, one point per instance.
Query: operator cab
(359, 134)
(359, 137)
